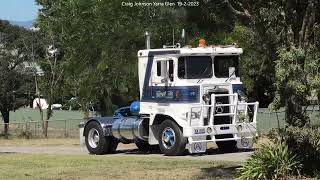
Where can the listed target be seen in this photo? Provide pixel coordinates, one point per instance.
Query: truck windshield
(194, 67)
(222, 64)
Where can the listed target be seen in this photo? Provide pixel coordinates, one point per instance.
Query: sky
(18, 10)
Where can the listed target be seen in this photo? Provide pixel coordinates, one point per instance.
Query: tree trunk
(44, 124)
(5, 116)
(45, 130)
(305, 23)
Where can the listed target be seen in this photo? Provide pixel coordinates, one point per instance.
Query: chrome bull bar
(237, 110)
(241, 127)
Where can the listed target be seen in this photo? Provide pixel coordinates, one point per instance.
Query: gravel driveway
(212, 154)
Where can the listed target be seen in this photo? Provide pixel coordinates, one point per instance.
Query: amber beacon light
(202, 43)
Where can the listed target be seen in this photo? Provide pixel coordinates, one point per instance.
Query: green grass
(13, 141)
(43, 166)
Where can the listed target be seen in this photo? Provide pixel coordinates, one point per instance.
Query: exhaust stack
(183, 37)
(147, 37)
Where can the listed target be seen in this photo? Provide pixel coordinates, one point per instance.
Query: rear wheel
(96, 142)
(227, 146)
(113, 144)
(171, 140)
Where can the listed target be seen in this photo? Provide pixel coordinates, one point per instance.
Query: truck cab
(200, 90)
(189, 96)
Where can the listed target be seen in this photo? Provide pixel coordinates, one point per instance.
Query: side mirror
(232, 72)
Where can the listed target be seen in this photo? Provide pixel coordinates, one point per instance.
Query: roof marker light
(202, 43)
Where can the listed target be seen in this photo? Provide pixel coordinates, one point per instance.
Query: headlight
(206, 98)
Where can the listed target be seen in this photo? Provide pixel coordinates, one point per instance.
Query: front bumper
(238, 132)
(201, 121)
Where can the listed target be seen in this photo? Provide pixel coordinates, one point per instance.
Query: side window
(158, 68)
(165, 69)
(170, 70)
(182, 68)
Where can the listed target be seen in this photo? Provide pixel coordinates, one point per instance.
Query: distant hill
(25, 24)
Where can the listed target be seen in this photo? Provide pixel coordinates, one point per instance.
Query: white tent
(41, 102)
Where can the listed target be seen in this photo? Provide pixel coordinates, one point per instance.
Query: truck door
(162, 80)
(162, 72)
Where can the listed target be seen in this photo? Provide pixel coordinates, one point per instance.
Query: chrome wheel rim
(168, 138)
(93, 138)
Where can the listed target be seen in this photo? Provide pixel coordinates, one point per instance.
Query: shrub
(305, 144)
(24, 134)
(271, 161)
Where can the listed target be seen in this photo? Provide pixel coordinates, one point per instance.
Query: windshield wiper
(203, 74)
(230, 75)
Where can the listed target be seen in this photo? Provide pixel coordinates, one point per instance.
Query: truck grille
(220, 119)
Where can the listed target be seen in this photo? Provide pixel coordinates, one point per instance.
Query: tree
(51, 83)
(100, 44)
(13, 75)
(276, 25)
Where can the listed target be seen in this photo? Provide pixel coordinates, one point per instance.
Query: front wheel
(171, 140)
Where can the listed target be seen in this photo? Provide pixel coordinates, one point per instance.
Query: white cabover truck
(188, 97)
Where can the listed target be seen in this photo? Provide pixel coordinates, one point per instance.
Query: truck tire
(96, 142)
(146, 147)
(171, 140)
(113, 144)
(227, 146)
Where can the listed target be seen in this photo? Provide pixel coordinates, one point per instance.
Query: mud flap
(197, 147)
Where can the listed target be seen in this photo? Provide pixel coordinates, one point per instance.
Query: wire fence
(62, 128)
(267, 120)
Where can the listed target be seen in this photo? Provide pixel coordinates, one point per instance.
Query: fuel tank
(130, 129)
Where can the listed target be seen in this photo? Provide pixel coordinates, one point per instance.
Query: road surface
(212, 154)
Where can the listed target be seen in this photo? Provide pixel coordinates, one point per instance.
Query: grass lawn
(43, 166)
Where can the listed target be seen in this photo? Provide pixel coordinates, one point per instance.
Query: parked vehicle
(189, 96)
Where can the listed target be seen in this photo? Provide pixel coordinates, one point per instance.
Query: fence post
(65, 128)
(35, 129)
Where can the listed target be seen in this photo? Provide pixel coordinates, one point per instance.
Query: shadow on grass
(137, 151)
(213, 151)
(219, 172)
(157, 151)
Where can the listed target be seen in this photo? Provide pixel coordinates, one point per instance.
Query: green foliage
(72, 104)
(99, 40)
(305, 144)
(313, 69)
(256, 67)
(100, 44)
(14, 79)
(271, 161)
(209, 19)
(297, 75)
